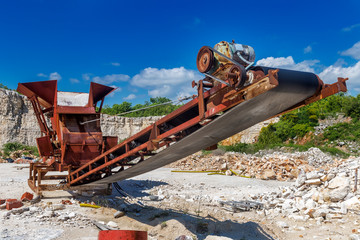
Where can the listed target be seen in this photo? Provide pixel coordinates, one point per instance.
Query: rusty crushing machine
(234, 95)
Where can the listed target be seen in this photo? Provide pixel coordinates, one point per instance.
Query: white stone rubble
(321, 195)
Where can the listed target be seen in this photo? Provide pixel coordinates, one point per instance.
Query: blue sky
(149, 48)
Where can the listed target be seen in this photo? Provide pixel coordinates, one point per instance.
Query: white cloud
(331, 73)
(86, 76)
(340, 62)
(350, 28)
(51, 76)
(130, 97)
(74, 80)
(288, 63)
(164, 90)
(308, 49)
(354, 51)
(116, 64)
(109, 79)
(170, 83)
(55, 76)
(41, 75)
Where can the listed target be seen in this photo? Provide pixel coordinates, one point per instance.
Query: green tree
(162, 109)
(3, 86)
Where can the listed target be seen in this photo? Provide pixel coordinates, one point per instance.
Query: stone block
(316, 181)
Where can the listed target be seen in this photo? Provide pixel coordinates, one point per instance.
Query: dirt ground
(165, 204)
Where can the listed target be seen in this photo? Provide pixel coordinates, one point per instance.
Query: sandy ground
(186, 204)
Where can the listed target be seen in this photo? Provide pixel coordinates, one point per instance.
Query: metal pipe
(217, 79)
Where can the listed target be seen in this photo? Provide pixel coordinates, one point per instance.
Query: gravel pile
(269, 166)
(50, 214)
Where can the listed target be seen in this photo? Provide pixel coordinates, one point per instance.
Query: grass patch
(205, 152)
(334, 151)
(163, 225)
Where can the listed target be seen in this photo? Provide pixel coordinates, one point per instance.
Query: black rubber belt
(293, 88)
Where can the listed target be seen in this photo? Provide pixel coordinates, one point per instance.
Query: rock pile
(19, 156)
(321, 195)
(50, 214)
(277, 165)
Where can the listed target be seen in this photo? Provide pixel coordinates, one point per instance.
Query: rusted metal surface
(66, 144)
(44, 146)
(244, 96)
(205, 60)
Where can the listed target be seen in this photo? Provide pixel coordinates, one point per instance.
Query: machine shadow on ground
(137, 188)
(199, 226)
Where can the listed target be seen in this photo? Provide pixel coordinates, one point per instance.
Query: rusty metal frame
(207, 106)
(38, 173)
(210, 103)
(56, 144)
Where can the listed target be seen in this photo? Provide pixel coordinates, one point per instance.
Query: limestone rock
(268, 174)
(339, 182)
(310, 204)
(338, 194)
(112, 224)
(287, 204)
(282, 224)
(119, 214)
(301, 178)
(321, 212)
(352, 202)
(312, 175)
(316, 181)
(56, 207)
(184, 237)
(330, 176)
(224, 166)
(354, 237)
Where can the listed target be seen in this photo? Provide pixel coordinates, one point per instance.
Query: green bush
(343, 132)
(11, 147)
(268, 135)
(8, 148)
(290, 126)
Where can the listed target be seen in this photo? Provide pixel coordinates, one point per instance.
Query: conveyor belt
(294, 87)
